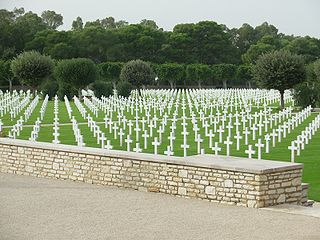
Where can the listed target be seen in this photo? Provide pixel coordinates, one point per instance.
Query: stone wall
(231, 180)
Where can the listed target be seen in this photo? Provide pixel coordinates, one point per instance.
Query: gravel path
(35, 208)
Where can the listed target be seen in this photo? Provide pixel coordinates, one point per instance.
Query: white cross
(220, 131)
(137, 149)
(128, 141)
(121, 134)
(145, 136)
(250, 151)
(259, 145)
(155, 143)
(199, 141)
(267, 139)
(168, 152)
(228, 143)
(246, 132)
(216, 149)
(103, 139)
(238, 137)
(292, 148)
(210, 135)
(108, 146)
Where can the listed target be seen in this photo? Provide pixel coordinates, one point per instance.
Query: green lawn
(309, 156)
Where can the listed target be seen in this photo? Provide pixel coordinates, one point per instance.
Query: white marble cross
(250, 151)
(216, 149)
(259, 145)
(228, 143)
(238, 137)
(292, 148)
(155, 143)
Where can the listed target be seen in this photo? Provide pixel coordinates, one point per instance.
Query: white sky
(297, 17)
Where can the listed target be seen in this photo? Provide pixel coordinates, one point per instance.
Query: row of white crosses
(56, 121)
(30, 108)
(76, 131)
(11, 102)
(279, 133)
(304, 138)
(16, 128)
(44, 107)
(81, 108)
(92, 107)
(18, 106)
(35, 131)
(223, 115)
(157, 141)
(36, 127)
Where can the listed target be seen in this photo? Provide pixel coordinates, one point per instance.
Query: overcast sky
(297, 17)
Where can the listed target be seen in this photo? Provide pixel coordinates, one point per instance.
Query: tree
(77, 24)
(243, 37)
(279, 70)
(108, 23)
(110, 71)
(198, 73)
(138, 73)
(171, 72)
(79, 72)
(244, 75)
(255, 51)
(205, 42)
(308, 92)
(224, 73)
(149, 23)
(306, 46)
(102, 88)
(52, 19)
(32, 68)
(6, 74)
(124, 89)
(121, 23)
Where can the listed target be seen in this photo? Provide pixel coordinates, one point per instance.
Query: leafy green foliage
(101, 88)
(308, 92)
(52, 19)
(110, 71)
(224, 72)
(138, 73)
(49, 87)
(279, 70)
(78, 72)
(170, 73)
(77, 24)
(31, 68)
(244, 75)
(124, 88)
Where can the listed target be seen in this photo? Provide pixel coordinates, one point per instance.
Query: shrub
(124, 89)
(101, 88)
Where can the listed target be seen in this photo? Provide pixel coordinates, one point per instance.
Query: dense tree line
(206, 42)
(112, 54)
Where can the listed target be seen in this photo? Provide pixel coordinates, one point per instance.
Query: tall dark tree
(279, 70)
(77, 24)
(224, 73)
(110, 71)
(138, 73)
(52, 19)
(170, 73)
(6, 75)
(32, 68)
(78, 72)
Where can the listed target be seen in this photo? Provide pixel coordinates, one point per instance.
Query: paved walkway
(35, 208)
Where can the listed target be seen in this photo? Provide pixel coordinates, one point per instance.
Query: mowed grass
(310, 157)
